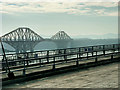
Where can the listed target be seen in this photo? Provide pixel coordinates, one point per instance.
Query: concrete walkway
(96, 77)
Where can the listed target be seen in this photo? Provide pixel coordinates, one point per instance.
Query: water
(47, 45)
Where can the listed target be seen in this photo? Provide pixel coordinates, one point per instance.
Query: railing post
(24, 72)
(47, 56)
(111, 57)
(92, 51)
(40, 62)
(10, 74)
(77, 62)
(27, 62)
(79, 52)
(103, 49)
(87, 55)
(96, 58)
(36, 56)
(54, 63)
(65, 55)
(27, 58)
(113, 48)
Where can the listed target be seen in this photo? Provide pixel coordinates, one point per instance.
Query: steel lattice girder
(22, 34)
(22, 39)
(61, 35)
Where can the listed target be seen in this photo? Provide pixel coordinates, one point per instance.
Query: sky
(47, 18)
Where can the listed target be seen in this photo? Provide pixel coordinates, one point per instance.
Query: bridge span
(23, 39)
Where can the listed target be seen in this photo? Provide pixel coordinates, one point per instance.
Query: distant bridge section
(22, 39)
(61, 39)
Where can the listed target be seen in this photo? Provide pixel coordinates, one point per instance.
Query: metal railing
(31, 60)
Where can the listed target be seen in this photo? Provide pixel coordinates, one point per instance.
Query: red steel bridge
(23, 39)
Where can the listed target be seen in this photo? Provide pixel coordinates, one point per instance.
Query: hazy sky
(47, 18)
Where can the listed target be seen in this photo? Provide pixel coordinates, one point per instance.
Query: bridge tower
(22, 39)
(61, 39)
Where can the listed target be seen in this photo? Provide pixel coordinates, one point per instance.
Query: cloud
(60, 0)
(112, 14)
(60, 7)
(102, 4)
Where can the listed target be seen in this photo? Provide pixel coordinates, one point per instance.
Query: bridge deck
(49, 66)
(105, 76)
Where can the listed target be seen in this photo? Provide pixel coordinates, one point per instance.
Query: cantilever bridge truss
(61, 35)
(23, 39)
(61, 39)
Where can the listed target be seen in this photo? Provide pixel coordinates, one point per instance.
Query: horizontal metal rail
(61, 51)
(59, 56)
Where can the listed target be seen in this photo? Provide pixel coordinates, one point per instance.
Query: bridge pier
(17, 51)
(22, 47)
(61, 39)
(31, 48)
(62, 44)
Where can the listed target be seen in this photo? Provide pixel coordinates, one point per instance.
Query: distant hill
(105, 36)
(88, 42)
